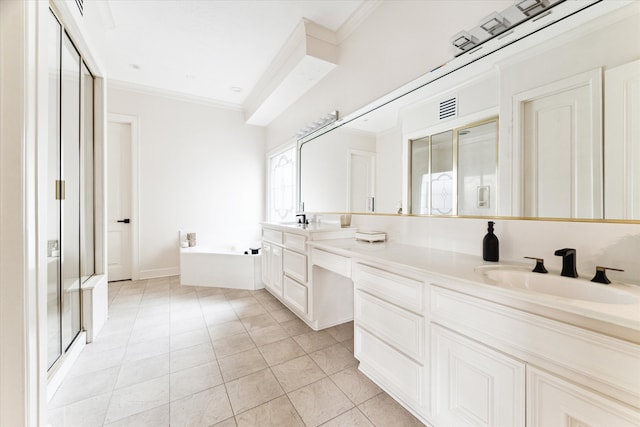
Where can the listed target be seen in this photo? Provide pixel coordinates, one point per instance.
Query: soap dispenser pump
(490, 248)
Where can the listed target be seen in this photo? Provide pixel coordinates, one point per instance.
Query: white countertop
(460, 272)
(313, 230)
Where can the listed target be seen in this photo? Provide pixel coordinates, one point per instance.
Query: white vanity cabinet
(473, 384)
(389, 334)
(287, 273)
(272, 261)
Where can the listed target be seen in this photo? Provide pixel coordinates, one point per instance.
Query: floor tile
(241, 364)
(253, 390)
(143, 350)
(226, 329)
(249, 310)
(192, 356)
(296, 327)
(382, 410)
(276, 413)
(189, 339)
(281, 351)
(137, 398)
(320, 402)
(85, 386)
(84, 413)
(193, 380)
(91, 361)
(297, 373)
(314, 341)
(282, 314)
(355, 385)
(143, 370)
(257, 322)
(268, 334)
(333, 359)
(156, 417)
(215, 317)
(341, 332)
(233, 344)
(351, 418)
(201, 409)
(229, 422)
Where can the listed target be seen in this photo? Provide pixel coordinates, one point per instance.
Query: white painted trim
(70, 358)
(178, 96)
(154, 273)
(356, 19)
(133, 121)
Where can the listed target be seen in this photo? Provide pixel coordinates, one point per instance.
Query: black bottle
(490, 248)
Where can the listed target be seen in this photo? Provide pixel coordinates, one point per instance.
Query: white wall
(201, 169)
(398, 42)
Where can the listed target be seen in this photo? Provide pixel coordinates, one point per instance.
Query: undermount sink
(566, 287)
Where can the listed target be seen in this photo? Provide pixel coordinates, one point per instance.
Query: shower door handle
(126, 220)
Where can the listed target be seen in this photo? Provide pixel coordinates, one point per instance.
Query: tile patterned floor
(195, 356)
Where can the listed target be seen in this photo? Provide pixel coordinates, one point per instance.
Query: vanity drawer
(396, 326)
(391, 369)
(332, 262)
(295, 241)
(295, 265)
(272, 236)
(295, 294)
(403, 291)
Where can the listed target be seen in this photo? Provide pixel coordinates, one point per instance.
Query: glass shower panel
(53, 205)
(420, 176)
(71, 203)
(443, 188)
(87, 260)
(477, 169)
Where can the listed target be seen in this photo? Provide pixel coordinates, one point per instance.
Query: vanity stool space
(320, 298)
(457, 351)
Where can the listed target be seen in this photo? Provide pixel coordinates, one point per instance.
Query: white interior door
(119, 200)
(362, 180)
(622, 141)
(562, 152)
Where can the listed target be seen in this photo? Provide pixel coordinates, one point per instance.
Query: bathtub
(220, 267)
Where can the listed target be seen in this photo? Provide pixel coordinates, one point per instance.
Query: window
(281, 195)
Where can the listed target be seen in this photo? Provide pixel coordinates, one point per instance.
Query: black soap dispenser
(490, 246)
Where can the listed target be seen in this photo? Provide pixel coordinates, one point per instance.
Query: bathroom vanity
(455, 348)
(287, 274)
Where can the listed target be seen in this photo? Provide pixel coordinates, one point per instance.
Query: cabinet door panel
(295, 294)
(295, 265)
(399, 327)
(552, 401)
(474, 385)
(276, 270)
(394, 371)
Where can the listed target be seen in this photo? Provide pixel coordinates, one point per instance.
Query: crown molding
(357, 18)
(178, 96)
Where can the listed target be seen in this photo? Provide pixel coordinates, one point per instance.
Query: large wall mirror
(545, 126)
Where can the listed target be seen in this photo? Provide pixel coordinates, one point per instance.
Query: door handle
(126, 220)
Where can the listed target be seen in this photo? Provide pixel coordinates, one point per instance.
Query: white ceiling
(204, 48)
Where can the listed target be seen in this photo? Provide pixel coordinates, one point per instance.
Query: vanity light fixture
(530, 7)
(315, 126)
(494, 24)
(464, 41)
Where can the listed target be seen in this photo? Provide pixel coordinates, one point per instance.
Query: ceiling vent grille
(449, 108)
(80, 4)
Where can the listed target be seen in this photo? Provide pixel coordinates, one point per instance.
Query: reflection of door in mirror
(622, 141)
(477, 169)
(561, 149)
(362, 180)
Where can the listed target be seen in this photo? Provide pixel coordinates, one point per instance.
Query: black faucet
(568, 262)
(302, 219)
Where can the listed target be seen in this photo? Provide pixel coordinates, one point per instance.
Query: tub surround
(222, 267)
